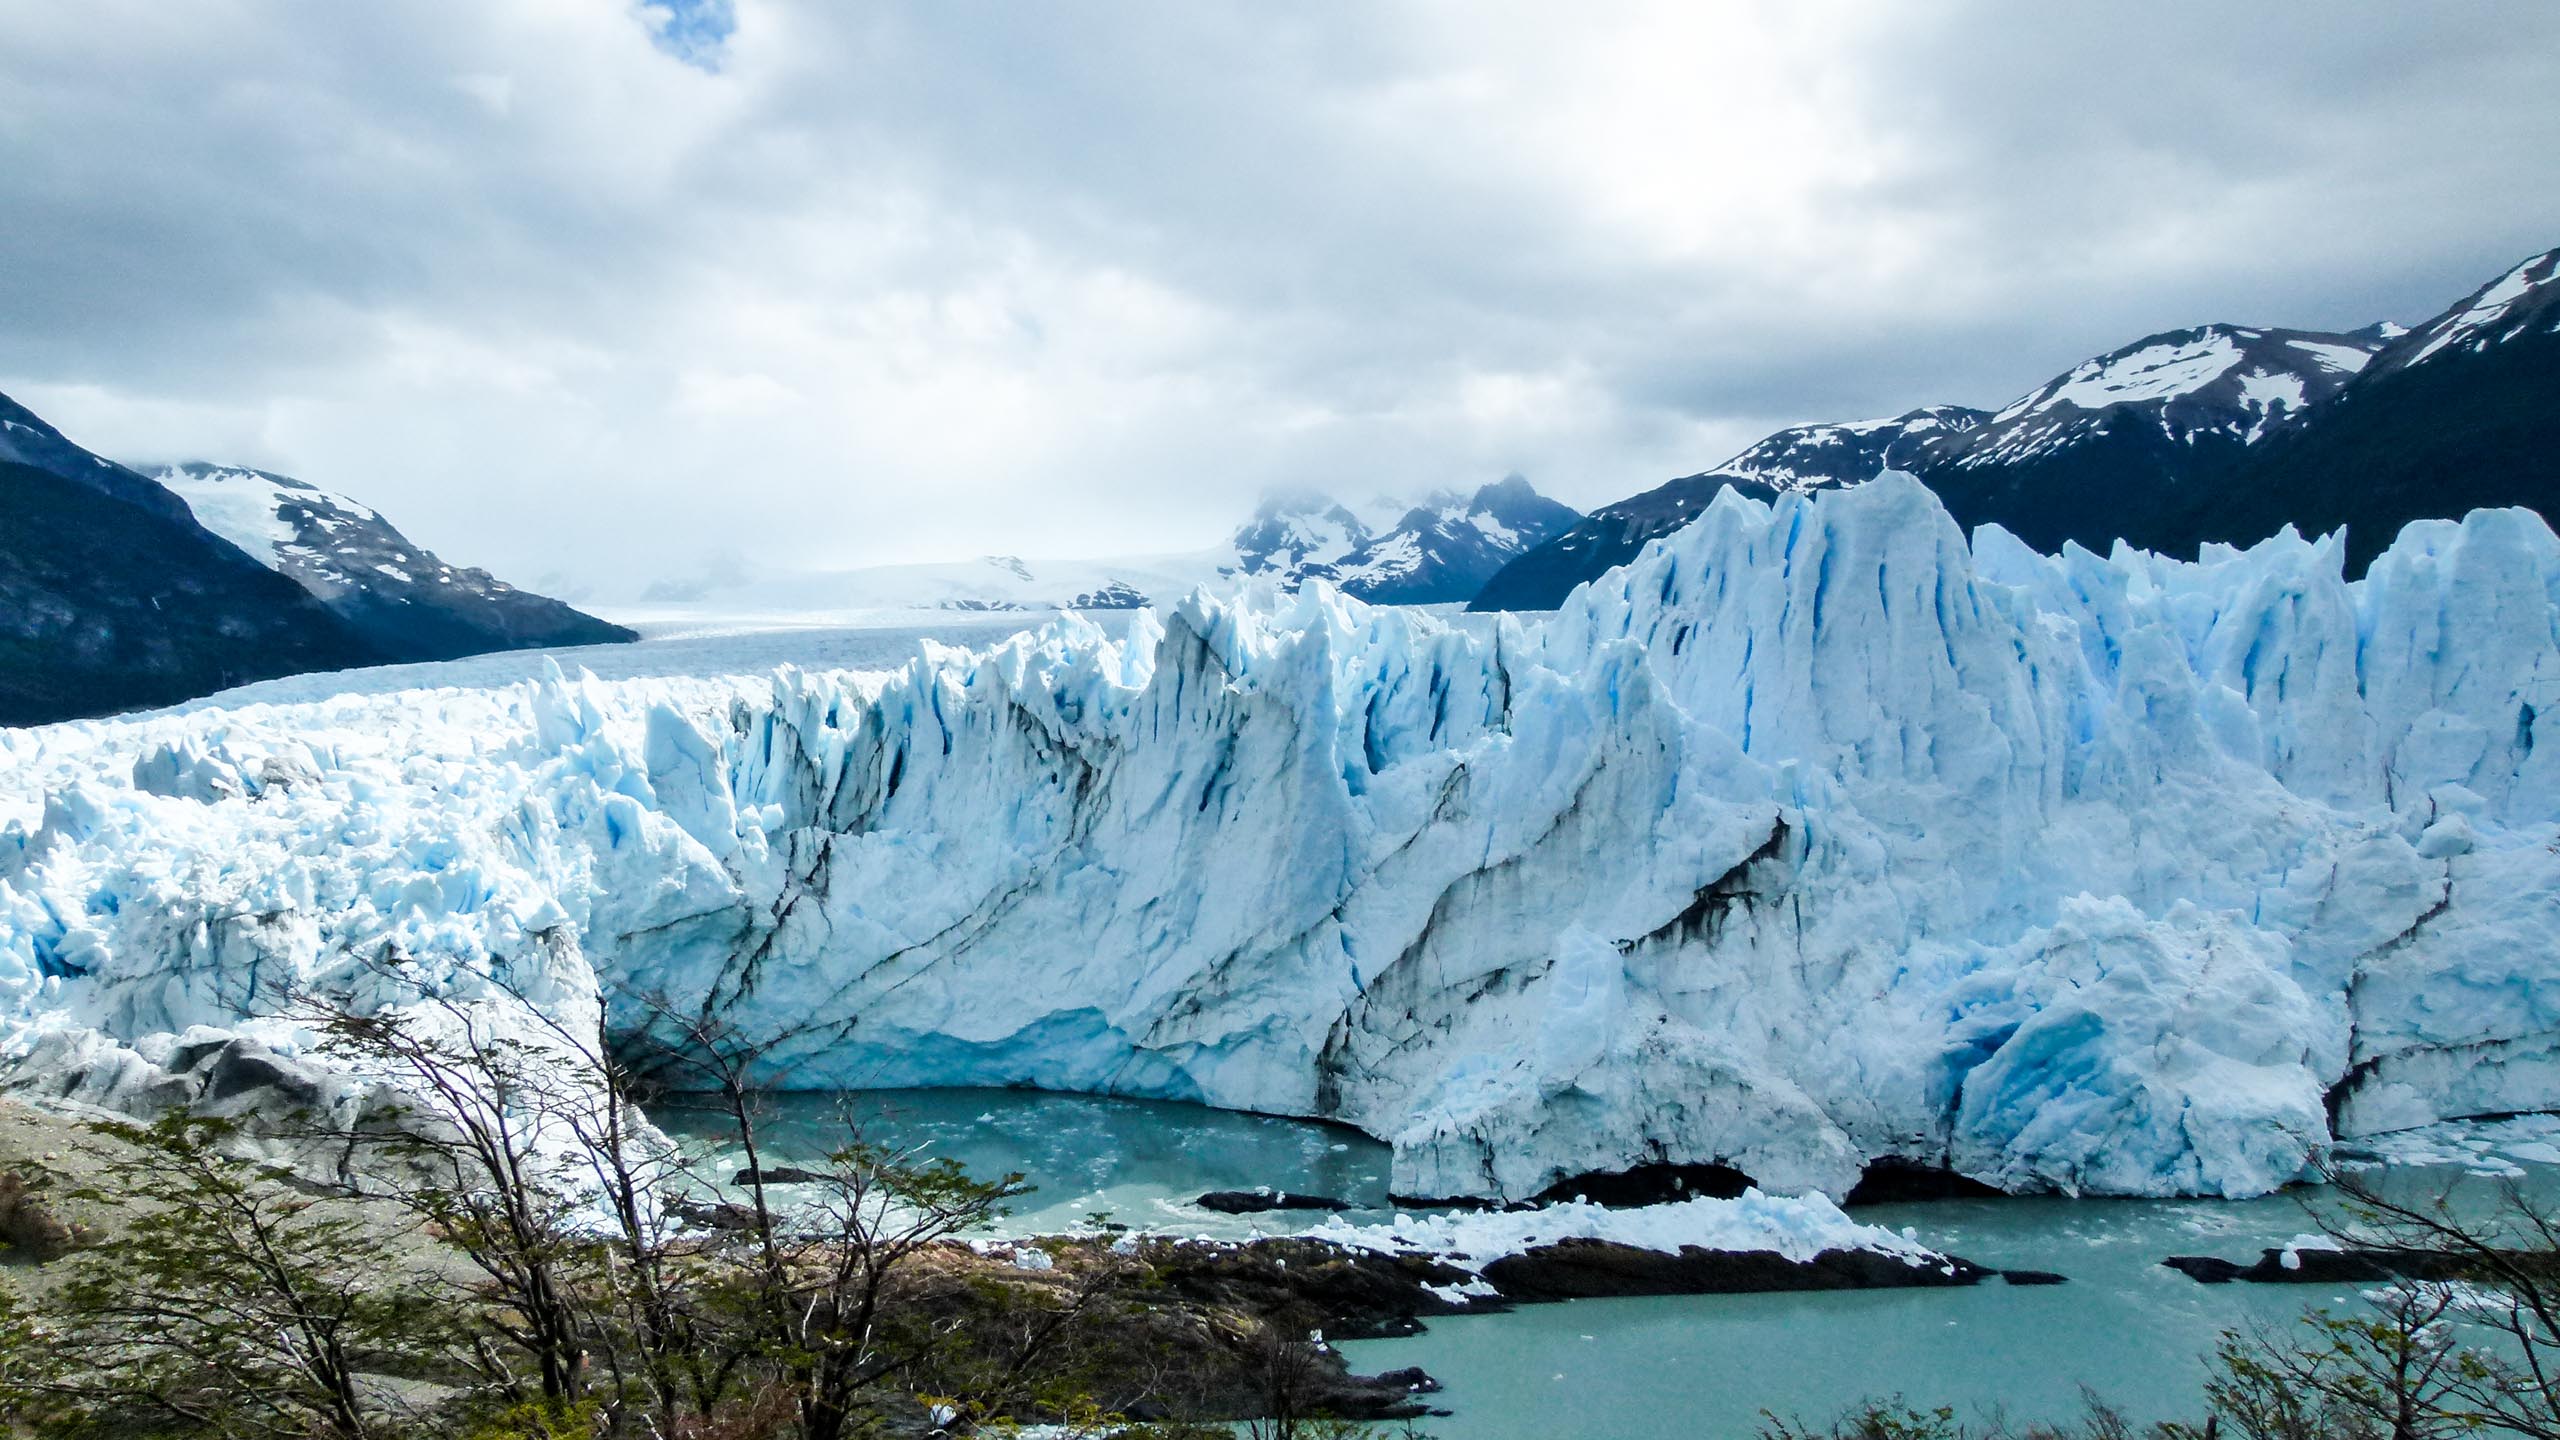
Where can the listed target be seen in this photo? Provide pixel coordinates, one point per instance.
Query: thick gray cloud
(567, 287)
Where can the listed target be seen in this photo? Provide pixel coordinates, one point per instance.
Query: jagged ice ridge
(1814, 836)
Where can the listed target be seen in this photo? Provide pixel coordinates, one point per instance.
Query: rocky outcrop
(29, 1223)
(1256, 1202)
(2322, 1265)
(1591, 1269)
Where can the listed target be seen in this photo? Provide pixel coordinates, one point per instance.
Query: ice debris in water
(1798, 1228)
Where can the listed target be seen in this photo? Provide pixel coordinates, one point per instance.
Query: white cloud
(917, 281)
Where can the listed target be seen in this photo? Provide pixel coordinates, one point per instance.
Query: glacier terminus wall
(1815, 836)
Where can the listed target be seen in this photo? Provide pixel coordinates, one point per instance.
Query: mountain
(2133, 444)
(1800, 458)
(404, 600)
(26, 439)
(2220, 433)
(1441, 551)
(1389, 552)
(113, 597)
(2462, 412)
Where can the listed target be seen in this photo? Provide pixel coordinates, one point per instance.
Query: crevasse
(1814, 836)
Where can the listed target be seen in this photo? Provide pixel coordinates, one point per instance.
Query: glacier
(1819, 835)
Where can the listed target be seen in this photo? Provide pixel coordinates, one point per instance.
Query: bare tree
(470, 1140)
(2394, 1372)
(2496, 1272)
(823, 1275)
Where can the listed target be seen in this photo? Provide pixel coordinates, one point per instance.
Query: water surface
(1140, 1161)
(2133, 1332)
(1658, 1368)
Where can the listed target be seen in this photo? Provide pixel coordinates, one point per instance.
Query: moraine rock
(1255, 1202)
(2320, 1265)
(1590, 1269)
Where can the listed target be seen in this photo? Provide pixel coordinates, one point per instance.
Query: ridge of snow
(1798, 1228)
(1805, 457)
(2346, 359)
(2154, 372)
(2489, 308)
(2233, 381)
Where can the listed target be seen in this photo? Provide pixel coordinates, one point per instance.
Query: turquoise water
(2131, 1330)
(1139, 1161)
(1686, 1366)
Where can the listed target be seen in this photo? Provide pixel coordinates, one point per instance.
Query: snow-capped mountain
(1296, 535)
(1798, 459)
(112, 596)
(407, 602)
(2523, 303)
(2461, 412)
(2229, 381)
(1441, 551)
(1821, 837)
(1808, 457)
(1386, 551)
(2217, 434)
(2127, 446)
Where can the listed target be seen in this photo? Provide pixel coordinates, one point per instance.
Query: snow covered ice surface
(1797, 1228)
(1816, 835)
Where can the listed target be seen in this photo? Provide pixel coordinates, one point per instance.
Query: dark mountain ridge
(408, 603)
(116, 594)
(112, 597)
(1802, 457)
(2220, 433)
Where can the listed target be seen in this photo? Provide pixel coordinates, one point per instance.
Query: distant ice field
(675, 647)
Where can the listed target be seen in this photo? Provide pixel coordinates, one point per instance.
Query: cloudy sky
(591, 290)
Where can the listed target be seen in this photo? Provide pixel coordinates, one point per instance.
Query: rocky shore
(1196, 1329)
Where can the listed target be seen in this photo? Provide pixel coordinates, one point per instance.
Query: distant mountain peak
(1439, 549)
(2215, 432)
(400, 595)
(1810, 457)
(2216, 384)
(2525, 300)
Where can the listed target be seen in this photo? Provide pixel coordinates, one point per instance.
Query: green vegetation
(530, 1261)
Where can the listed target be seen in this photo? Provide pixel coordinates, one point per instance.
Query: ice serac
(1815, 836)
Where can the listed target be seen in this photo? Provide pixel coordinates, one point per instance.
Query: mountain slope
(1797, 459)
(407, 602)
(26, 439)
(107, 604)
(2132, 444)
(1442, 551)
(2142, 444)
(2460, 413)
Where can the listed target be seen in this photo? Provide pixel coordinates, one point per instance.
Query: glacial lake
(1139, 1161)
(2137, 1334)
